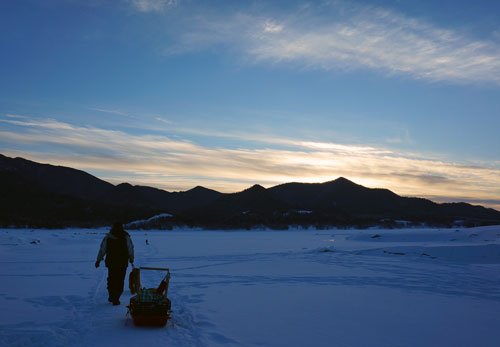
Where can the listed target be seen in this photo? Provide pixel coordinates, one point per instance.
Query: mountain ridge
(44, 194)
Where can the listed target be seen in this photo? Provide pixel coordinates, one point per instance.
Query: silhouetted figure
(119, 250)
(147, 242)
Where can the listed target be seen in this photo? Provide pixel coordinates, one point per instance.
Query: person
(118, 248)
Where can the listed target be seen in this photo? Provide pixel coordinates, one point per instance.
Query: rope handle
(153, 268)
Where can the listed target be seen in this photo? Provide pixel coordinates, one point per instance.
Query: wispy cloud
(152, 5)
(110, 111)
(9, 115)
(402, 138)
(175, 164)
(163, 120)
(349, 37)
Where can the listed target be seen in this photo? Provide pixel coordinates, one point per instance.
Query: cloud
(272, 27)
(430, 179)
(176, 164)
(115, 112)
(400, 139)
(163, 120)
(152, 5)
(16, 116)
(347, 37)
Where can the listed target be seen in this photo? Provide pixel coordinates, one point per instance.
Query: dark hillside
(45, 195)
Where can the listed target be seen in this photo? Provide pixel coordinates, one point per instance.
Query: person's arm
(130, 248)
(102, 251)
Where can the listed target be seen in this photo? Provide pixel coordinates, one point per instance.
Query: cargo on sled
(149, 306)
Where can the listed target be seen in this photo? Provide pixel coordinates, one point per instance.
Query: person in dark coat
(119, 250)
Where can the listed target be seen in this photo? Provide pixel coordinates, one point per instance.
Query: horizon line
(434, 199)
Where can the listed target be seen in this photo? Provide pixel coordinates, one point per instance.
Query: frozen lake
(413, 287)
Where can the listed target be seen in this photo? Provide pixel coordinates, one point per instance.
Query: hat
(117, 228)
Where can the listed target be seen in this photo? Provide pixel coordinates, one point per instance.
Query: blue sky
(225, 94)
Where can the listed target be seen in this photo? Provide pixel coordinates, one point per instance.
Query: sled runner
(150, 306)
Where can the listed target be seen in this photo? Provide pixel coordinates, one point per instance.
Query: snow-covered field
(412, 287)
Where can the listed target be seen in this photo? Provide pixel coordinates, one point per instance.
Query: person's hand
(97, 264)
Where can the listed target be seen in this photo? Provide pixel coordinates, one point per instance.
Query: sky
(403, 95)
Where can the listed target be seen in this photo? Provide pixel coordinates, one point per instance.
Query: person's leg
(110, 285)
(114, 284)
(116, 278)
(120, 280)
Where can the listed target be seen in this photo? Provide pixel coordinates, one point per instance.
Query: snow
(407, 287)
(158, 217)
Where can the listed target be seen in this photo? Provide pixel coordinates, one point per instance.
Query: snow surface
(413, 287)
(138, 223)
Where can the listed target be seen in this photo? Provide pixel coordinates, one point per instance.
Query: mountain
(57, 179)
(340, 193)
(47, 195)
(37, 194)
(355, 203)
(195, 197)
(252, 206)
(340, 202)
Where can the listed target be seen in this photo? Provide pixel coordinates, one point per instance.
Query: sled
(151, 306)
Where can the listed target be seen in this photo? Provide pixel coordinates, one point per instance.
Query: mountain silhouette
(340, 193)
(345, 195)
(254, 205)
(37, 194)
(48, 195)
